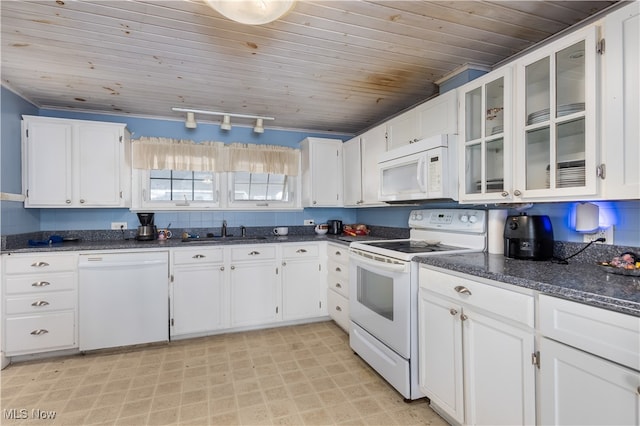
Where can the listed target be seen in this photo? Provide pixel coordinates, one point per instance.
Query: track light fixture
(190, 122)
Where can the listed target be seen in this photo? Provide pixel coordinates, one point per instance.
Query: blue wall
(15, 219)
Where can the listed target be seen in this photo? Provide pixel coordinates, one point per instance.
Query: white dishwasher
(124, 299)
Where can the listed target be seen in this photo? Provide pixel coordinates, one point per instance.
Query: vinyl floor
(295, 375)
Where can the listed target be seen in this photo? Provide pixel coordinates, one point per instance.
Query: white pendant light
(259, 127)
(226, 123)
(252, 12)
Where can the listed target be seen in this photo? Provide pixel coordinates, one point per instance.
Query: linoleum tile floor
(296, 375)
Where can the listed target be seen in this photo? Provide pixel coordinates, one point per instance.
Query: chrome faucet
(224, 228)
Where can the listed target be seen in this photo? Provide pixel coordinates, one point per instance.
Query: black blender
(147, 230)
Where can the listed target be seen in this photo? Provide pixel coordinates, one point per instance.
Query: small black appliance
(528, 237)
(335, 227)
(147, 230)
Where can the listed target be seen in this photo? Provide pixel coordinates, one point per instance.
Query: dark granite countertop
(581, 282)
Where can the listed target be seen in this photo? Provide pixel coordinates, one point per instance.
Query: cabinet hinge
(27, 132)
(121, 195)
(535, 359)
(320, 304)
(276, 271)
(171, 322)
(27, 194)
(171, 276)
(601, 171)
(120, 138)
(276, 309)
(319, 267)
(600, 47)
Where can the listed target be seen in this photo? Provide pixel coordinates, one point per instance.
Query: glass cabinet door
(556, 139)
(486, 114)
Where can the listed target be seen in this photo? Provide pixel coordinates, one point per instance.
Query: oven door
(379, 299)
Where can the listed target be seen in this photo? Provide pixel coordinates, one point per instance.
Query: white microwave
(423, 170)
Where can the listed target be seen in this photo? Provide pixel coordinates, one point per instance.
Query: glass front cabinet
(532, 136)
(486, 134)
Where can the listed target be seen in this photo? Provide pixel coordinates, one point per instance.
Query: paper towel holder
(587, 217)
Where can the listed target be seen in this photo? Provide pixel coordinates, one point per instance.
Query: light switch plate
(118, 225)
(606, 233)
(309, 222)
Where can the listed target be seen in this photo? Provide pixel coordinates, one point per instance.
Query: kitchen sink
(208, 240)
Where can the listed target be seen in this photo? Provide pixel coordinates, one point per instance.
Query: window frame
(293, 186)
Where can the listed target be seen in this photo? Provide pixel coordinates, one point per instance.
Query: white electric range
(383, 289)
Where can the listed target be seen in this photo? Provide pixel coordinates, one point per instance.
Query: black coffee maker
(147, 230)
(335, 227)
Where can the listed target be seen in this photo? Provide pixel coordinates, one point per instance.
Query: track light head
(259, 127)
(226, 123)
(190, 123)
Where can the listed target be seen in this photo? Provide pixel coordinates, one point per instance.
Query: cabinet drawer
(258, 252)
(338, 283)
(611, 335)
(338, 307)
(41, 283)
(39, 333)
(339, 269)
(515, 306)
(45, 302)
(198, 256)
(338, 253)
(297, 251)
(28, 264)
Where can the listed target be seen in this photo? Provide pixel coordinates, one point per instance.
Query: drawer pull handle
(338, 308)
(40, 303)
(254, 253)
(453, 311)
(198, 256)
(301, 251)
(39, 264)
(338, 253)
(338, 269)
(463, 317)
(338, 285)
(39, 332)
(41, 284)
(462, 290)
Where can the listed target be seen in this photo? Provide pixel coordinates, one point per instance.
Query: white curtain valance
(173, 154)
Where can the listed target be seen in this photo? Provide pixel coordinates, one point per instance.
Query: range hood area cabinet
(360, 168)
(75, 163)
(321, 172)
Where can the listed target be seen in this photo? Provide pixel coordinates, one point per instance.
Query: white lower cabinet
(254, 285)
(40, 298)
(475, 348)
(198, 291)
(303, 294)
(589, 365)
(338, 284)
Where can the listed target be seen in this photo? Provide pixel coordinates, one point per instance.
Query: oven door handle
(392, 265)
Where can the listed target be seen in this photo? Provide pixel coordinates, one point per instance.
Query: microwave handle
(422, 161)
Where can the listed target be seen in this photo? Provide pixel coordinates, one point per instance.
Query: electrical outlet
(309, 222)
(606, 233)
(118, 225)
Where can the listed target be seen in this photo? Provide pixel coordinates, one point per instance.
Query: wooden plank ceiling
(338, 66)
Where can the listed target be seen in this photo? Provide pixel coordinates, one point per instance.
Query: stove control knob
(464, 218)
(419, 216)
(473, 219)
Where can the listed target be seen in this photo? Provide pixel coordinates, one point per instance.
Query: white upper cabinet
(75, 163)
(486, 137)
(556, 119)
(360, 168)
(434, 117)
(621, 91)
(321, 172)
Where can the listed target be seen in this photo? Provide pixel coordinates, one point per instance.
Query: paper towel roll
(495, 231)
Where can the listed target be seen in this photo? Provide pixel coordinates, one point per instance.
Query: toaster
(528, 237)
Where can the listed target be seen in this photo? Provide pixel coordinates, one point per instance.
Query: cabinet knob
(81, 201)
(453, 311)
(338, 308)
(504, 194)
(338, 269)
(338, 253)
(301, 251)
(254, 253)
(40, 284)
(39, 264)
(315, 202)
(462, 290)
(463, 317)
(222, 268)
(198, 256)
(68, 201)
(517, 193)
(40, 303)
(233, 267)
(338, 285)
(39, 332)
(284, 263)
